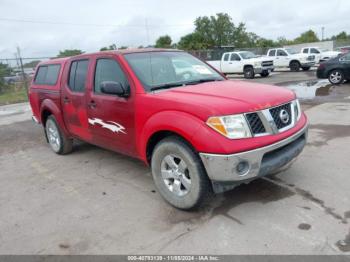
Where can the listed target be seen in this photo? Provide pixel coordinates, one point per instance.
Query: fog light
(242, 168)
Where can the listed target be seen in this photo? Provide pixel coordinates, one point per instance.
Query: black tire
(249, 72)
(178, 150)
(306, 68)
(336, 77)
(62, 145)
(264, 73)
(294, 66)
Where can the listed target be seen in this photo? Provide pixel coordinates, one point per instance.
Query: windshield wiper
(195, 82)
(166, 86)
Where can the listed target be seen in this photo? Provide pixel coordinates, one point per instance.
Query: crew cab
(243, 62)
(199, 134)
(287, 57)
(320, 55)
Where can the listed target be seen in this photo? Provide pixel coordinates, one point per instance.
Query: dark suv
(336, 70)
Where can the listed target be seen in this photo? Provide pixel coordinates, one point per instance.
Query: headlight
(233, 126)
(257, 64)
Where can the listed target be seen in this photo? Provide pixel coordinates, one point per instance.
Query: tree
(5, 70)
(111, 47)
(342, 36)
(69, 52)
(31, 64)
(163, 42)
(307, 37)
(192, 41)
(215, 31)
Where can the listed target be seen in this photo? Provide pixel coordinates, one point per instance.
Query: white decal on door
(113, 126)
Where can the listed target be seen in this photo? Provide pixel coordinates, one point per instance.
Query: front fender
(49, 105)
(181, 123)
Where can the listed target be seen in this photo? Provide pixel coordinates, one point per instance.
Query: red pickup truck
(199, 132)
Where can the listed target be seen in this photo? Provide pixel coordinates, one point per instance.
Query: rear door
(225, 63)
(110, 117)
(345, 60)
(73, 98)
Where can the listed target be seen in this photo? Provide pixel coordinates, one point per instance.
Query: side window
(346, 57)
(306, 50)
(314, 51)
(226, 56)
(41, 75)
(235, 57)
(108, 70)
(47, 75)
(77, 75)
(272, 52)
(281, 53)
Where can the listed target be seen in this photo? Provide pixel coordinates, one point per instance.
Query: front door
(73, 98)
(110, 117)
(281, 58)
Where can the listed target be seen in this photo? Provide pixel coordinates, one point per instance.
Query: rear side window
(77, 75)
(47, 75)
(108, 70)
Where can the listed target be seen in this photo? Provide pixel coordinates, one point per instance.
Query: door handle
(92, 104)
(66, 100)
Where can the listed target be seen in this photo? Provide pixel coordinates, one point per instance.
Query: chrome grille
(271, 120)
(255, 123)
(275, 113)
(267, 63)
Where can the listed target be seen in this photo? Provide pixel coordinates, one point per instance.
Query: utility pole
(147, 31)
(322, 32)
(22, 69)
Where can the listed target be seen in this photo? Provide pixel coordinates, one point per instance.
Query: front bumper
(259, 70)
(308, 64)
(242, 167)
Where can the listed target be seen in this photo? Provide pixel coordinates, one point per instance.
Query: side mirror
(113, 88)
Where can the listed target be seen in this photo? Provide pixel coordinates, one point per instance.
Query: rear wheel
(179, 175)
(306, 68)
(264, 73)
(249, 72)
(294, 66)
(59, 143)
(336, 77)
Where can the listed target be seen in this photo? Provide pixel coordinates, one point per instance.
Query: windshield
(169, 69)
(291, 51)
(247, 55)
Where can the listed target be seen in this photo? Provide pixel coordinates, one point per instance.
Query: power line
(95, 25)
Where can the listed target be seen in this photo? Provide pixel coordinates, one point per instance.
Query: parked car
(344, 49)
(320, 54)
(13, 78)
(199, 135)
(287, 57)
(337, 70)
(243, 62)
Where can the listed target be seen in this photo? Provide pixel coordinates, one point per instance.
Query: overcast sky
(91, 24)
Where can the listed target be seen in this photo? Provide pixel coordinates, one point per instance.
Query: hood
(260, 59)
(224, 97)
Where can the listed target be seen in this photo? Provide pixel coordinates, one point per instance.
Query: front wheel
(249, 72)
(179, 175)
(59, 143)
(294, 66)
(336, 77)
(306, 68)
(264, 73)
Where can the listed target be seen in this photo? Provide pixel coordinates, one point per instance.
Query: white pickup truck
(243, 62)
(286, 57)
(321, 55)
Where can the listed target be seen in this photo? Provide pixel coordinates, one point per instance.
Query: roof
(121, 51)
